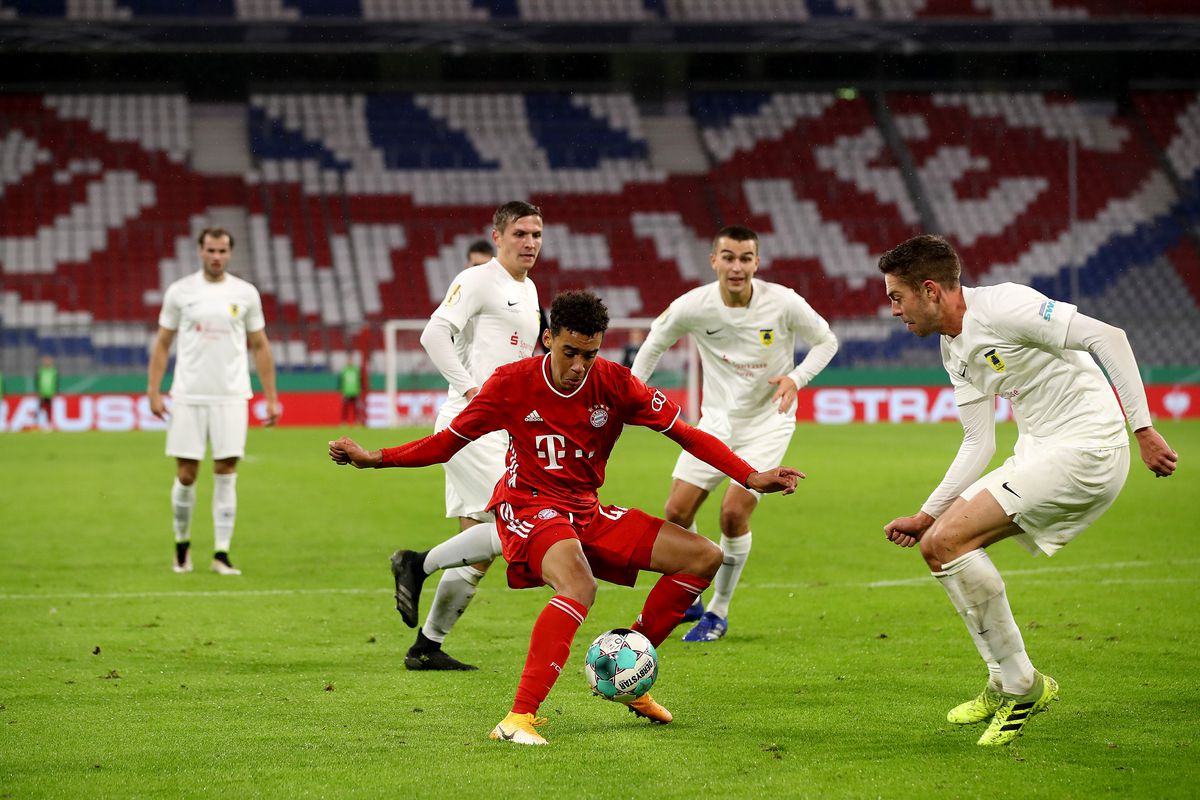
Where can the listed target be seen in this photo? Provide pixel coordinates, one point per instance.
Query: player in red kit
(563, 413)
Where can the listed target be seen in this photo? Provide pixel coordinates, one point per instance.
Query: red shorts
(617, 541)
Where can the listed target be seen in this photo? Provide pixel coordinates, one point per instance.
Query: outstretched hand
(780, 479)
(907, 531)
(347, 451)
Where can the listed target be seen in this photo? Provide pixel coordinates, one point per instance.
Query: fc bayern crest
(598, 417)
(547, 513)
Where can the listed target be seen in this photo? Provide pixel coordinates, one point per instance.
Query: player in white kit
(490, 317)
(215, 316)
(1070, 462)
(746, 330)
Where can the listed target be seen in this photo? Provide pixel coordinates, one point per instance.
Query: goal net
(415, 390)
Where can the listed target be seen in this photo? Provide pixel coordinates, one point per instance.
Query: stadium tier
(358, 208)
(679, 11)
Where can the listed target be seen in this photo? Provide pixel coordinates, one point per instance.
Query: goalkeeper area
(118, 677)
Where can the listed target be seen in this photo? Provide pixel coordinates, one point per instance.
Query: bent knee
(581, 590)
(708, 558)
(679, 514)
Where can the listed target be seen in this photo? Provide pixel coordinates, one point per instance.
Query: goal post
(404, 358)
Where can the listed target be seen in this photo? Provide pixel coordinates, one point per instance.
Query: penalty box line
(923, 580)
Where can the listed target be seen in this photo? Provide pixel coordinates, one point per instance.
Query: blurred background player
(1070, 462)
(46, 381)
(350, 384)
(563, 413)
(216, 315)
(490, 317)
(480, 252)
(746, 331)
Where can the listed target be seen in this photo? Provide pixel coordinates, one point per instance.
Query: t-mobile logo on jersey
(548, 449)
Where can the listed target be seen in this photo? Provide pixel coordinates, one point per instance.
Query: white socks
(476, 544)
(183, 500)
(454, 592)
(736, 550)
(224, 510)
(977, 592)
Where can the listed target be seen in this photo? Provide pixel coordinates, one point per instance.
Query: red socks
(549, 646)
(665, 605)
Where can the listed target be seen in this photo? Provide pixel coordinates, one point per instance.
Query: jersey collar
(550, 381)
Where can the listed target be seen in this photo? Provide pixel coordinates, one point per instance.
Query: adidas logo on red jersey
(533, 416)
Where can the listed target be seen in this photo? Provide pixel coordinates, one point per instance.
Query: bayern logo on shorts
(547, 513)
(598, 417)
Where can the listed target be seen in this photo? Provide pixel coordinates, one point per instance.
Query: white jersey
(1012, 345)
(212, 320)
(496, 319)
(740, 347)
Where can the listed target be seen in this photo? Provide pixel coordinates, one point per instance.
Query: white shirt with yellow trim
(1013, 345)
(495, 319)
(211, 320)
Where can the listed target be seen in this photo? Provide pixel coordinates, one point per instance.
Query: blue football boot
(708, 629)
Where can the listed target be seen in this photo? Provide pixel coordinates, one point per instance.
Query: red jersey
(559, 443)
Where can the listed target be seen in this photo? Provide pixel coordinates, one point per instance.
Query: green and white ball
(621, 665)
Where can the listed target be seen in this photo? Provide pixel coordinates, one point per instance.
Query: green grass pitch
(119, 678)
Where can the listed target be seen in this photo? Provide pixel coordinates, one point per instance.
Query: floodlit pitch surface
(120, 678)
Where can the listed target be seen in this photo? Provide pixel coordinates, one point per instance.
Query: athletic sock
(665, 605)
(423, 644)
(181, 551)
(454, 593)
(549, 646)
(735, 550)
(224, 510)
(977, 592)
(478, 543)
(183, 501)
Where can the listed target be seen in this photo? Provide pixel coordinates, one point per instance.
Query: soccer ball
(621, 665)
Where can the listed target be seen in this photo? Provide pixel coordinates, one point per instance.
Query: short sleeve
(255, 320)
(1023, 315)
(644, 405)
(464, 299)
(168, 317)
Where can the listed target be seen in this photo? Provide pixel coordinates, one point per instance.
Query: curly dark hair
(580, 311)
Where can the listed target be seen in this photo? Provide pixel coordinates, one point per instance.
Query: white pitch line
(924, 580)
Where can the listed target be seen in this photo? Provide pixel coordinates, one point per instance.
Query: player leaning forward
(216, 316)
(1070, 462)
(746, 331)
(563, 413)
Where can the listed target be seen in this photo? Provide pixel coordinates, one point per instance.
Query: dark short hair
(738, 233)
(923, 258)
(215, 233)
(578, 310)
(481, 246)
(512, 211)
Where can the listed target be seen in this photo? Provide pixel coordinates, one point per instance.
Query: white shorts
(193, 426)
(760, 442)
(472, 474)
(1054, 493)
